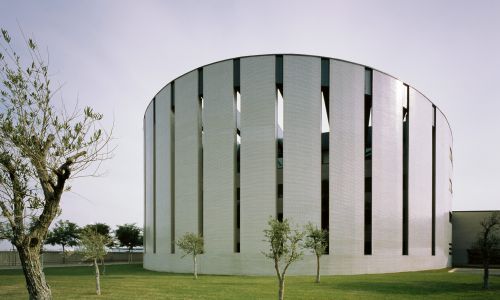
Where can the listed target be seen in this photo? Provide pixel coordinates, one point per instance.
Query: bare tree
(316, 240)
(42, 148)
(284, 248)
(487, 243)
(192, 244)
(93, 247)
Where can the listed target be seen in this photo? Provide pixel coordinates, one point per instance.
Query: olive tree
(102, 228)
(105, 230)
(192, 244)
(284, 248)
(487, 243)
(93, 247)
(42, 148)
(316, 240)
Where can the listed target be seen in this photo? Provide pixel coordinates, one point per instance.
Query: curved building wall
(220, 168)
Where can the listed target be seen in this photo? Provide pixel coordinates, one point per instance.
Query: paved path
(474, 271)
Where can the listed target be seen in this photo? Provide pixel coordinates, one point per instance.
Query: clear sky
(115, 56)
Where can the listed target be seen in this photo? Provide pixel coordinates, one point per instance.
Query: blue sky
(115, 55)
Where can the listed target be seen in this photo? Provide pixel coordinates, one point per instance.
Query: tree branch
(16, 219)
(7, 214)
(51, 207)
(64, 171)
(276, 267)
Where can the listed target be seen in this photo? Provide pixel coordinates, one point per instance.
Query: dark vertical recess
(237, 149)
(325, 148)
(279, 138)
(154, 175)
(325, 83)
(368, 161)
(236, 74)
(172, 168)
(433, 180)
(279, 73)
(406, 137)
(200, 151)
(172, 97)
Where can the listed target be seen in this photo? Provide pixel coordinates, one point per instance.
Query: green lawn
(133, 282)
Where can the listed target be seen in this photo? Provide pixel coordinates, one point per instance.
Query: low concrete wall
(11, 258)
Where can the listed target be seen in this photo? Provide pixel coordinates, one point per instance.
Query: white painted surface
(387, 166)
(163, 171)
(219, 125)
(302, 139)
(347, 158)
(443, 194)
(258, 150)
(420, 176)
(149, 178)
(187, 147)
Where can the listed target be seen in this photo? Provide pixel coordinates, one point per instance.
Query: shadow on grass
(421, 288)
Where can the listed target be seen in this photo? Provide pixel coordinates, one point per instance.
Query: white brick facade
(205, 169)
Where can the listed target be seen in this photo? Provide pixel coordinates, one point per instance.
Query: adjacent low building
(466, 230)
(346, 147)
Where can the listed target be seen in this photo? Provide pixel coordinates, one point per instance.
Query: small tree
(65, 233)
(102, 229)
(191, 244)
(284, 248)
(129, 235)
(93, 247)
(316, 240)
(487, 243)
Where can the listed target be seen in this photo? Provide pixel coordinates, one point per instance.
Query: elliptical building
(311, 139)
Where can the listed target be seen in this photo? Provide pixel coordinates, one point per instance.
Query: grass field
(133, 282)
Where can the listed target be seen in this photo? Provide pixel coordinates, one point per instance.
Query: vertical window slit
(172, 98)
(368, 162)
(172, 168)
(406, 136)
(325, 145)
(237, 150)
(433, 251)
(279, 137)
(200, 151)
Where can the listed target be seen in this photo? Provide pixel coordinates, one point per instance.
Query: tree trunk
(129, 255)
(317, 268)
(281, 293)
(64, 255)
(195, 270)
(486, 276)
(97, 279)
(103, 266)
(33, 273)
